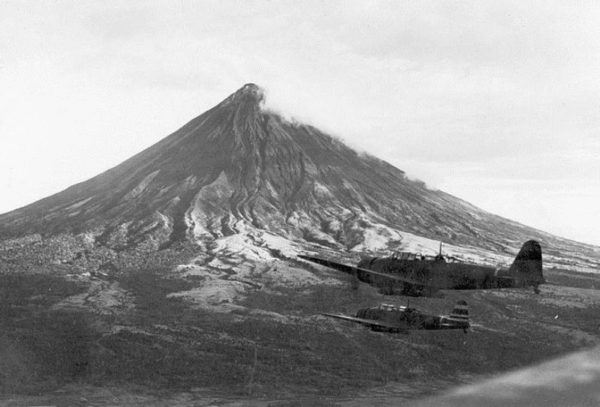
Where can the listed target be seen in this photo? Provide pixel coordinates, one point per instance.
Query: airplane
(409, 274)
(390, 318)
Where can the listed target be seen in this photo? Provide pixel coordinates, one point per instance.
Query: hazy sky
(495, 102)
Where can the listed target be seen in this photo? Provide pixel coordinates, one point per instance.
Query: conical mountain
(238, 166)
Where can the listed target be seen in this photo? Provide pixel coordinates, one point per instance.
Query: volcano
(179, 270)
(239, 166)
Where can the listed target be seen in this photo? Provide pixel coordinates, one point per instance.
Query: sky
(496, 102)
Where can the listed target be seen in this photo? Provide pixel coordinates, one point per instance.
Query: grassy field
(286, 350)
(41, 348)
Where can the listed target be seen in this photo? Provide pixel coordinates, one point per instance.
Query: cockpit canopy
(388, 307)
(392, 307)
(406, 256)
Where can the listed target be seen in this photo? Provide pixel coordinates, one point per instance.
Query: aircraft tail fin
(527, 266)
(460, 312)
(458, 319)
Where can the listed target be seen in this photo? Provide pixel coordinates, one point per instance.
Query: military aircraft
(390, 318)
(410, 274)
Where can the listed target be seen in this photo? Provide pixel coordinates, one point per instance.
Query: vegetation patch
(41, 348)
(163, 343)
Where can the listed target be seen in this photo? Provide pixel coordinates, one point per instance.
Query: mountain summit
(238, 167)
(250, 92)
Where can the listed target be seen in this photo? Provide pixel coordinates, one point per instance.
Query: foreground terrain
(244, 324)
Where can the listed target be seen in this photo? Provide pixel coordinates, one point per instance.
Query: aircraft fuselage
(412, 274)
(437, 273)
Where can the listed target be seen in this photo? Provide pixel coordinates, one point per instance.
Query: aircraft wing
(331, 264)
(368, 322)
(355, 270)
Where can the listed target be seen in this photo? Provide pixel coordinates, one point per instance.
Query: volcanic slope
(238, 167)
